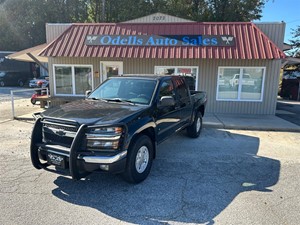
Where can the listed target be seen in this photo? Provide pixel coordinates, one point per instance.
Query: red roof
(250, 42)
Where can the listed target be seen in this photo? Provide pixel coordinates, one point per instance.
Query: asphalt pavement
(288, 110)
(222, 177)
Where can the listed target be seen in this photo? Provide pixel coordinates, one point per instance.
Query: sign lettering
(163, 40)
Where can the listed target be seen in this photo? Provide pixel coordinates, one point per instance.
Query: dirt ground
(21, 107)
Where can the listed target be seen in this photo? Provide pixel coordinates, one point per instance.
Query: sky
(283, 10)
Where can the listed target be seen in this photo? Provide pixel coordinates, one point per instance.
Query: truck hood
(93, 111)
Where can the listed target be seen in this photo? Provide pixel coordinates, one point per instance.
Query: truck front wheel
(139, 160)
(195, 128)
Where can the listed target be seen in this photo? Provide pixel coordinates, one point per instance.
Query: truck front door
(167, 117)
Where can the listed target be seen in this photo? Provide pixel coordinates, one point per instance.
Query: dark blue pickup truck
(117, 127)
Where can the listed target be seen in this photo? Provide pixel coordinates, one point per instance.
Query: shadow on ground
(289, 112)
(192, 181)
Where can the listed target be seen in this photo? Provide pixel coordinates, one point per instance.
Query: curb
(24, 118)
(249, 128)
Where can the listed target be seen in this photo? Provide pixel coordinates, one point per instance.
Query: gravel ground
(21, 106)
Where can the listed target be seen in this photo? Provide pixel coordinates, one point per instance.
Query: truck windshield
(130, 90)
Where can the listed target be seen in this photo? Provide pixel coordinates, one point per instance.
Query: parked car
(12, 78)
(117, 127)
(38, 82)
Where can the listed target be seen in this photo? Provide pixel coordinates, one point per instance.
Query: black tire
(2, 84)
(139, 160)
(195, 128)
(21, 83)
(33, 101)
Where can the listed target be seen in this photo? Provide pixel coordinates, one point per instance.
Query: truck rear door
(183, 99)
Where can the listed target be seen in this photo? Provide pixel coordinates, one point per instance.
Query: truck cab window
(181, 88)
(166, 89)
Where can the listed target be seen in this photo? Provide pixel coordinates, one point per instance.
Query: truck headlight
(103, 138)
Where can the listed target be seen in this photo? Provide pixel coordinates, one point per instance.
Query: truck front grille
(61, 127)
(59, 132)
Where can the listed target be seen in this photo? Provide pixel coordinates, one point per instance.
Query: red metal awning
(250, 42)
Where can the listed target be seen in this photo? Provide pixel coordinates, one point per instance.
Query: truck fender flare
(149, 130)
(198, 109)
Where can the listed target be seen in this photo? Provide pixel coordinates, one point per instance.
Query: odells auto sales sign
(165, 40)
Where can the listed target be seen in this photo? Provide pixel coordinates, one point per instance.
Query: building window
(191, 71)
(240, 84)
(72, 79)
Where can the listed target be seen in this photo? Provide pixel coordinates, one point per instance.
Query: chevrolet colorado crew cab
(117, 127)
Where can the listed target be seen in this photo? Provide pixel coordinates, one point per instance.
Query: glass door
(110, 68)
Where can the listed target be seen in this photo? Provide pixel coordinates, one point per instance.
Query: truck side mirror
(166, 101)
(87, 93)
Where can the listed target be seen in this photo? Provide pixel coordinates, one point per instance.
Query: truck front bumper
(112, 164)
(79, 162)
(104, 159)
(82, 163)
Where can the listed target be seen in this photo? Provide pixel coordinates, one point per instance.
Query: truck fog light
(104, 167)
(103, 144)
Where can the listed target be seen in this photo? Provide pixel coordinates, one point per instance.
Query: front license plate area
(56, 160)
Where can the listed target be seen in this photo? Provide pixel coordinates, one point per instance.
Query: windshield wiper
(99, 99)
(118, 100)
(94, 98)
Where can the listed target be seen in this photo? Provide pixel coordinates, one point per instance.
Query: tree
(22, 22)
(197, 10)
(235, 10)
(12, 37)
(119, 10)
(295, 42)
(216, 10)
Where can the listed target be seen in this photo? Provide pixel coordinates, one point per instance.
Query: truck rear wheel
(139, 160)
(195, 128)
